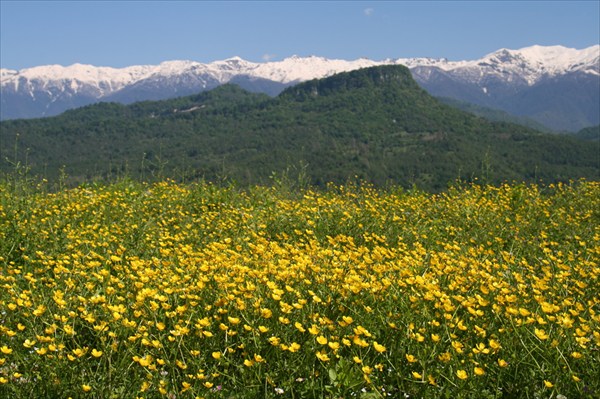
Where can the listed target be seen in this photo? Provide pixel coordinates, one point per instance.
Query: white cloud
(368, 11)
(268, 57)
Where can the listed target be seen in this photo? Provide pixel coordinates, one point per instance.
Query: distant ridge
(554, 85)
(374, 124)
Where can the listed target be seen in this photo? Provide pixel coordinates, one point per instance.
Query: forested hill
(374, 124)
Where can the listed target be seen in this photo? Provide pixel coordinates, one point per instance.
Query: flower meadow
(168, 290)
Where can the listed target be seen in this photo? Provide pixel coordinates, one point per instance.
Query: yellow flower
(458, 346)
(294, 347)
(322, 356)
(321, 340)
(502, 363)
(548, 384)
(86, 388)
(28, 343)
(216, 355)
(334, 345)
(479, 371)
(145, 386)
(40, 310)
(359, 341)
(541, 334)
(145, 361)
(411, 358)
(79, 351)
(378, 347)
(208, 384)
(416, 375)
(96, 353)
(259, 358)
(263, 329)
(6, 350)
(248, 363)
(494, 344)
(462, 374)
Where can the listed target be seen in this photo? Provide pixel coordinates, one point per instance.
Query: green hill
(494, 115)
(589, 133)
(375, 124)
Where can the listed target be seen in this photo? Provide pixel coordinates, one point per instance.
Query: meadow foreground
(167, 290)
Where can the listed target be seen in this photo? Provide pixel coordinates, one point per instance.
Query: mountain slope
(554, 85)
(589, 133)
(494, 115)
(375, 123)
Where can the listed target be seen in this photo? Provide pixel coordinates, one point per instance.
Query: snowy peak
(535, 62)
(51, 89)
(298, 69)
(530, 63)
(84, 73)
(561, 59)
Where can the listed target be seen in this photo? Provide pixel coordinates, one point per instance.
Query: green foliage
(591, 133)
(373, 124)
(494, 115)
(135, 290)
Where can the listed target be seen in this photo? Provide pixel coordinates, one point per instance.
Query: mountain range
(375, 124)
(556, 86)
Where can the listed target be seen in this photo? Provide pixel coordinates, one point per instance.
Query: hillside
(589, 133)
(374, 123)
(556, 86)
(494, 115)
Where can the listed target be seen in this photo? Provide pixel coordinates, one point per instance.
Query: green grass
(168, 290)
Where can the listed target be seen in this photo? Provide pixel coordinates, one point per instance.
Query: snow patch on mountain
(529, 64)
(26, 90)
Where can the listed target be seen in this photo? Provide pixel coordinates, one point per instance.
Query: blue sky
(122, 33)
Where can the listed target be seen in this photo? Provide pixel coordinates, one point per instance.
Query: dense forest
(374, 124)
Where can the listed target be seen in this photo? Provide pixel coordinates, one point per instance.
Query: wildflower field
(167, 290)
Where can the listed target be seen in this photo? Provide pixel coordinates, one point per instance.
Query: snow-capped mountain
(528, 65)
(498, 80)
